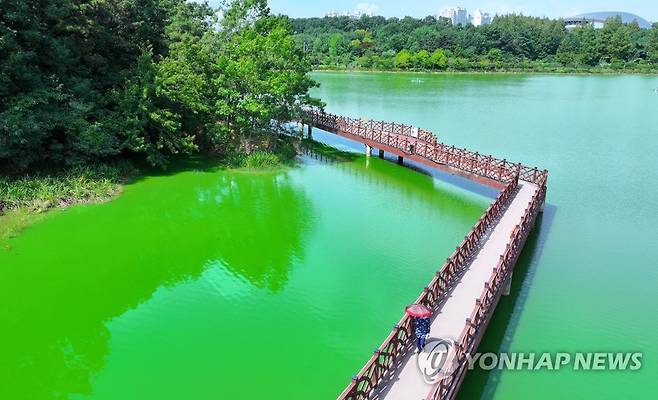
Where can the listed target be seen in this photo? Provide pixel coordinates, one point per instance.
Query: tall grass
(43, 190)
(257, 159)
(261, 159)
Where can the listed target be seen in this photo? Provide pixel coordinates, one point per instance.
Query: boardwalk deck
(407, 382)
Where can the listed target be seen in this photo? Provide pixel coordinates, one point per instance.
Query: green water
(208, 284)
(588, 277)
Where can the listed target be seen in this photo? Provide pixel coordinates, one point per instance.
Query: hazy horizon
(646, 9)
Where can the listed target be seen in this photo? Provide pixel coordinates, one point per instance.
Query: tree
(615, 40)
(81, 81)
(439, 60)
(518, 41)
(652, 44)
(422, 59)
(590, 52)
(403, 59)
(265, 78)
(567, 53)
(363, 40)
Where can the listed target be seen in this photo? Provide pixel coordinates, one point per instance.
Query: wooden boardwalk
(407, 382)
(465, 291)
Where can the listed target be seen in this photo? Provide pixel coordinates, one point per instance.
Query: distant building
(456, 15)
(480, 18)
(359, 14)
(460, 16)
(597, 19)
(353, 15)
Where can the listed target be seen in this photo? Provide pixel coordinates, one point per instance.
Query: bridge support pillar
(507, 289)
(400, 160)
(368, 150)
(381, 153)
(310, 131)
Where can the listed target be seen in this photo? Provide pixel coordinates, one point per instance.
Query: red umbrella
(418, 311)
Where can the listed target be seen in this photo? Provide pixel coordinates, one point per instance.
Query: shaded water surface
(214, 284)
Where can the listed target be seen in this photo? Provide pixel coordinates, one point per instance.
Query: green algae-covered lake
(221, 284)
(588, 277)
(216, 284)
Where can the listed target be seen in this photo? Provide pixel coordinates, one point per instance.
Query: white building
(352, 14)
(480, 18)
(456, 15)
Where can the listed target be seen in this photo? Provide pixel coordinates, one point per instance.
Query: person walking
(422, 321)
(422, 331)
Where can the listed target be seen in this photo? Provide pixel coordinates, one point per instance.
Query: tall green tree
(404, 59)
(439, 60)
(615, 40)
(652, 44)
(265, 77)
(83, 80)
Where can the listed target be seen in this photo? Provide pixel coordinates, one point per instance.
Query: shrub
(261, 159)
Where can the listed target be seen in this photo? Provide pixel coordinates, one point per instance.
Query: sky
(647, 9)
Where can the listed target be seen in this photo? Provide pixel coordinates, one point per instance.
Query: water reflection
(66, 278)
(417, 188)
(256, 212)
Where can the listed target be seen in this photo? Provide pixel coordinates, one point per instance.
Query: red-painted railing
(424, 144)
(360, 125)
(398, 341)
(484, 306)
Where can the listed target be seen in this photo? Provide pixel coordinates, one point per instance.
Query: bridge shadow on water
(416, 188)
(349, 146)
(479, 384)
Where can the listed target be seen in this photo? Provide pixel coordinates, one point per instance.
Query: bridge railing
(484, 306)
(415, 141)
(424, 144)
(398, 342)
(346, 124)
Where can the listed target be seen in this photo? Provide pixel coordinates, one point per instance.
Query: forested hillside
(83, 81)
(511, 42)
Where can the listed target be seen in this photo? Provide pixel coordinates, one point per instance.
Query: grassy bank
(23, 198)
(40, 191)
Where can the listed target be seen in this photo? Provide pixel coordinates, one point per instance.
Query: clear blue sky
(647, 9)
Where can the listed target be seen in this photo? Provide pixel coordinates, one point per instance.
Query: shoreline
(497, 72)
(14, 221)
(29, 207)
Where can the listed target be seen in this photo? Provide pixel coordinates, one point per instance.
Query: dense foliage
(510, 42)
(83, 80)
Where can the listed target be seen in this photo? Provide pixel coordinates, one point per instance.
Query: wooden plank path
(407, 382)
(465, 291)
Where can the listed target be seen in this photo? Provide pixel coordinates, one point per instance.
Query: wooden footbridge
(465, 291)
